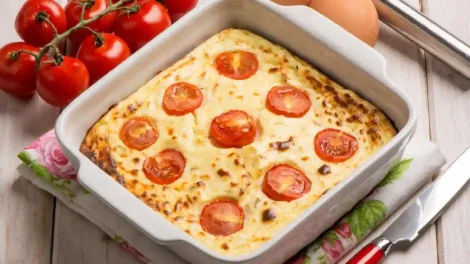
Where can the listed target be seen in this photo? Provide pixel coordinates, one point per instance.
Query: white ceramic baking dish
(305, 33)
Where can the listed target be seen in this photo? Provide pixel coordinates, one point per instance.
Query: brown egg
(359, 17)
(292, 2)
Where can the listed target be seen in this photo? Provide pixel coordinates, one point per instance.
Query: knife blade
(425, 33)
(420, 214)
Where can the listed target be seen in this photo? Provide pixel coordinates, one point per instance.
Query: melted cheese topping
(213, 172)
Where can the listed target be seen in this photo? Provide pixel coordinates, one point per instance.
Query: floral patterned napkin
(45, 165)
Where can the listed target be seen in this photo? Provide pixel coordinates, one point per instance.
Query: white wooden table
(35, 228)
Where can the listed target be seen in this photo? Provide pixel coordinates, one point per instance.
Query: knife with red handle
(373, 253)
(421, 213)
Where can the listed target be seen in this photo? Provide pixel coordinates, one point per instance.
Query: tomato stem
(99, 37)
(82, 14)
(42, 16)
(82, 24)
(15, 55)
(58, 58)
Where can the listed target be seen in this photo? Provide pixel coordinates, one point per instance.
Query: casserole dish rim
(376, 69)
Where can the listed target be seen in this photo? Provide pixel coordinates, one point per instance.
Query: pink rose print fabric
(46, 153)
(134, 252)
(344, 230)
(333, 249)
(49, 153)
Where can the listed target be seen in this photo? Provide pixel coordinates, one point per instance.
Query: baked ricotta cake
(235, 140)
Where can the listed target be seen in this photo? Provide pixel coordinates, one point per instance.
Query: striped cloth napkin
(45, 165)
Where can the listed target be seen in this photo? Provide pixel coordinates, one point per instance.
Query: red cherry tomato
(18, 73)
(165, 168)
(101, 58)
(139, 133)
(333, 145)
(178, 8)
(59, 85)
(182, 98)
(288, 101)
(142, 26)
(31, 27)
(285, 183)
(233, 129)
(222, 218)
(73, 10)
(237, 65)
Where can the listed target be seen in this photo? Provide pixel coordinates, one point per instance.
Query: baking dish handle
(329, 33)
(113, 195)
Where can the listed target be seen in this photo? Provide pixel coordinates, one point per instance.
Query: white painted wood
(26, 212)
(77, 241)
(450, 115)
(406, 69)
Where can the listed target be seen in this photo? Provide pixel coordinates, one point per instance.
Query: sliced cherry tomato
(139, 133)
(17, 71)
(102, 55)
(165, 168)
(73, 11)
(59, 85)
(222, 217)
(30, 24)
(138, 28)
(233, 129)
(333, 145)
(285, 183)
(288, 101)
(178, 8)
(182, 98)
(237, 65)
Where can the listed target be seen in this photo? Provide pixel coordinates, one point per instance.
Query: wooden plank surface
(77, 241)
(406, 67)
(26, 212)
(449, 97)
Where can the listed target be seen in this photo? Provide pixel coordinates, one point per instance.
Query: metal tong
(426, 34)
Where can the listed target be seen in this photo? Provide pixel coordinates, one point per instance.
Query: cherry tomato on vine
(17, 71)
(138, 28)
(179, 8)
(59, 85)
(73, 10)
(101, 55)
(30, 22)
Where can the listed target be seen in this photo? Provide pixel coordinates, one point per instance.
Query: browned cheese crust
(213, 172)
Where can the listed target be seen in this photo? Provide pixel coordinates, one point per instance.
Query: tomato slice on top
(333, 145)
(285, 183)
(182, 98)
(288, 101)
(233, 129)
(139, 133)
(222, 217)
(237, 65)
(165, 168)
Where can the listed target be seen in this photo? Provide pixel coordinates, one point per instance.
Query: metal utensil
(421, 214)
(425, 33)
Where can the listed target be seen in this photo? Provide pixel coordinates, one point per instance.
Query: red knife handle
(373, 253)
